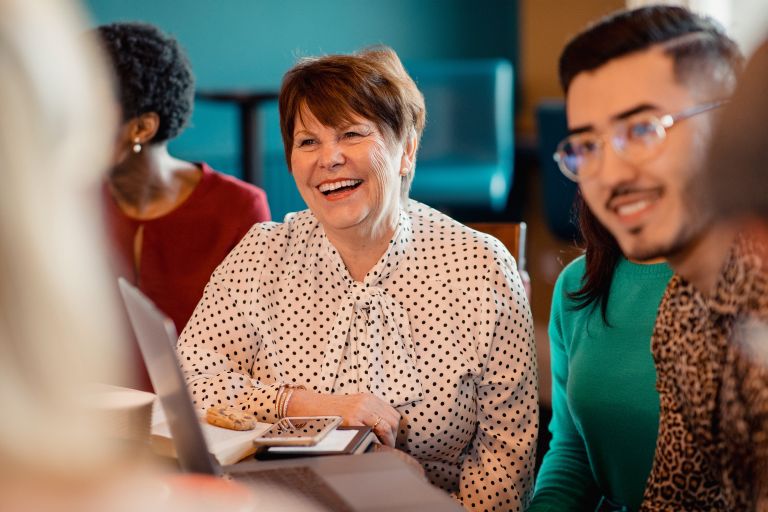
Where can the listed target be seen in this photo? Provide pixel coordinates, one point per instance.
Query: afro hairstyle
(153, 75)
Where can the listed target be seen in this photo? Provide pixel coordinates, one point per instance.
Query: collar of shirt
(736, 279)
(371, 341)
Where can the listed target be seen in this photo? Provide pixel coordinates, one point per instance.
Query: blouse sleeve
(497, 472)
(216, 351)
(565, 479)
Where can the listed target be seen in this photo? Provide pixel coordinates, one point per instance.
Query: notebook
(341, 441)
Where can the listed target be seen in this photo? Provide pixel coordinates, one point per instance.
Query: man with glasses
(642, 91)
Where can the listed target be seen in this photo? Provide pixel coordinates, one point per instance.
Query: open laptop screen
(157, 335)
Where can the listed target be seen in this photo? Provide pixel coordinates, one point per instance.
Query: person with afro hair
(171, 221)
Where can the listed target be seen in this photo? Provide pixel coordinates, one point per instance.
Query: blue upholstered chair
(466, 154)
(558, 190)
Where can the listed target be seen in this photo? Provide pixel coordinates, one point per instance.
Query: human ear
(408, 159)
(143, 128)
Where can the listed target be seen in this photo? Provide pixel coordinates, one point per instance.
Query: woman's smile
(335, 190)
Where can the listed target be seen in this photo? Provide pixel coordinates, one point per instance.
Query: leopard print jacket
(713, 385)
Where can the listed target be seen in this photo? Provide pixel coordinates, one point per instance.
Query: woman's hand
(356, 410)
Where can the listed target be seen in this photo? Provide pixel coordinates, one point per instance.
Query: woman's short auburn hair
(372, 84)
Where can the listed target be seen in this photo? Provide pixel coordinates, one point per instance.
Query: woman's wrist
(301, 403)
(285, 398)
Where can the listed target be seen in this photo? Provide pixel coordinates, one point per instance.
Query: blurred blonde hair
(57, 316)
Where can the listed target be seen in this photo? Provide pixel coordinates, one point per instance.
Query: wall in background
(745, 20)
(250, 44)
(545, 27)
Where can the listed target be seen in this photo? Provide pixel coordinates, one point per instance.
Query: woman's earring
(136, 145)
(404, 171)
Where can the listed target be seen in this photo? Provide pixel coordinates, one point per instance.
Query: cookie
(231, 418)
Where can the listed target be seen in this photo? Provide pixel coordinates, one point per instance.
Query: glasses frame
(666, 122)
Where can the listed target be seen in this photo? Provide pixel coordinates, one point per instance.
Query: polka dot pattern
(440, 328)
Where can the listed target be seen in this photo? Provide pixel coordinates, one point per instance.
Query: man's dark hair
(697, 44)
(704, 57)
(153, 75)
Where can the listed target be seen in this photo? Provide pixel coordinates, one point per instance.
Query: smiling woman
(349, 177)
(372, 306)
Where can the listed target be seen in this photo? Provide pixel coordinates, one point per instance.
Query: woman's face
(348, 175)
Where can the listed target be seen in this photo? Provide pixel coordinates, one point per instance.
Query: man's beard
(696, 218)
(677, 245)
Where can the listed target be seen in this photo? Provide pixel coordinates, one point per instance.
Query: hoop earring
(136, 145)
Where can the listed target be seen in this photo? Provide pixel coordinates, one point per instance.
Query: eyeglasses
(635, 139)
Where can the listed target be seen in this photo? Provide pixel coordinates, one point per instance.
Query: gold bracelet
(284, 399)
(279, 400)
(288, 394)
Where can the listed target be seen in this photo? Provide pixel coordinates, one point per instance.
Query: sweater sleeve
(565, 481)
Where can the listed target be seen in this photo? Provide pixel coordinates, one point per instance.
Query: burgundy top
(181, 249)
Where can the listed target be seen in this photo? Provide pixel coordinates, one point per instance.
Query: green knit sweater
(605, 408)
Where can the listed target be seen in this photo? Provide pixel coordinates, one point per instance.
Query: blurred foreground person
(56, 312)
(737, 188)
(58, 321)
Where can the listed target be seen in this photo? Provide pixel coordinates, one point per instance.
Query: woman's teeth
(327, 188)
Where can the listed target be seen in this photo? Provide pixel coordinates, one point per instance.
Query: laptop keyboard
(298, 480)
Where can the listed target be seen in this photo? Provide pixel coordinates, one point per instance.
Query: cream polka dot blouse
(440, 328)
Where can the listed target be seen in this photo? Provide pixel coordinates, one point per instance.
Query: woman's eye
(306, 143)
(352, 135)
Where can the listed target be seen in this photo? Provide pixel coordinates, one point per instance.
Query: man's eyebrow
(644, 107)
(581, 129)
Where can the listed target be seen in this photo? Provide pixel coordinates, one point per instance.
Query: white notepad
(335, 441)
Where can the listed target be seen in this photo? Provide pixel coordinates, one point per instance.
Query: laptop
(365, 482)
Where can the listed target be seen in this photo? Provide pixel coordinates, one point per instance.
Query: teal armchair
(466, 154)
(558, 191)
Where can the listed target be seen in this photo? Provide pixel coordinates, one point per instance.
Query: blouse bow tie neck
(371, 338)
